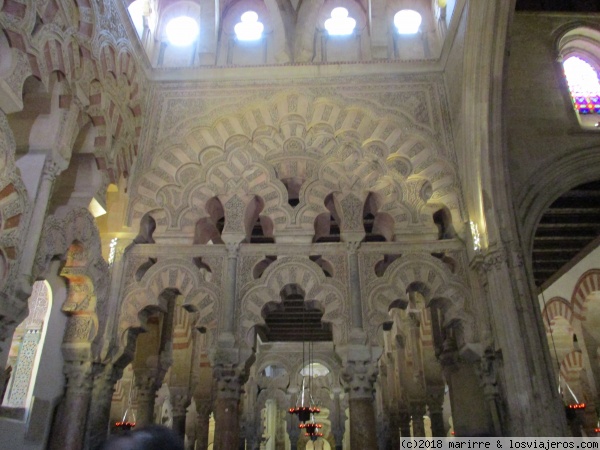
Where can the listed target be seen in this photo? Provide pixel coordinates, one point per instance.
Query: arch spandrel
(327, 293)
(200, 296)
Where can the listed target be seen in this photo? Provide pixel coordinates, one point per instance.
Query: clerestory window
(584, 85)
(339, 24)
(249, 28)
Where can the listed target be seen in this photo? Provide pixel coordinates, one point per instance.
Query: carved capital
(233, 250)
(147, 382)
(180, 400)
(359, 378)
(52, 169)
(79, 377)
(352, 247)
(230, 379)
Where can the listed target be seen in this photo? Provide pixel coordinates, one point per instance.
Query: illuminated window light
(407, 21)
(113, 251)
(182, 31)
(476, 237)
(583, 84)
(249, 29)
(339, 24)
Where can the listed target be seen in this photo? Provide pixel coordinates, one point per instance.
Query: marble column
(359, 377)
(203, 408)
(146, 385)
(180, 400)
(227, 420)
(68, 429)
(417, 411)
(99, 413)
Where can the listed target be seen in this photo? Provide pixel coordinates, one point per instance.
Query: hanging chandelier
(306, 407)
(312, 428)
(128, 421)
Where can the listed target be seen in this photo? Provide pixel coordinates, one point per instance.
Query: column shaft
(362, 424)
(68, 429)
(99, 412)
(227, 426)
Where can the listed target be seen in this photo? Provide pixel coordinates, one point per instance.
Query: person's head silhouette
(151, 437)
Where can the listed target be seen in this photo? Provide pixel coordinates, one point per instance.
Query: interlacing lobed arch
(327, 293)
(436, 284)
(327, 148)
(199, 295)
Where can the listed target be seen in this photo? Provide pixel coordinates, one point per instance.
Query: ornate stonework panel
(246, 153)
(200, 296)
(426, 273)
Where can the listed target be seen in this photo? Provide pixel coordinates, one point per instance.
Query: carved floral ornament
(352, 152)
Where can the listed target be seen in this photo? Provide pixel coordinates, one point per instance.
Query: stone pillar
(227, 420)
(354, 277)
(404, 423)
(470, 413)
(68, 430)
(435, 401)
(394, 430)
(51, 170)
(203, 408)
(436, 414)
(230, 291)
(417, 411)
(99, 413)
(147, 383)
(293, 431)
(359, 374)
(180, 400)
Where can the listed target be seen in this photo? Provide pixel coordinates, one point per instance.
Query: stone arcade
(179, 222)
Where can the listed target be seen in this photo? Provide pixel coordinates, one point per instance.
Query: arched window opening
(182, 31)
(24, 357)
(407, 21)
(315, 370)
(137, 10)
(443, 220)
(340, 24)
(273, 371)
(249, 28)
(327, 225)
(262, 226)
(293, 185)
(583, 84)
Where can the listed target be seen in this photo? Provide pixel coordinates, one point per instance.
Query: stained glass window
(583, 84)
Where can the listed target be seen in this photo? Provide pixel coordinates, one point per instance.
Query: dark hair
(150, 437)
